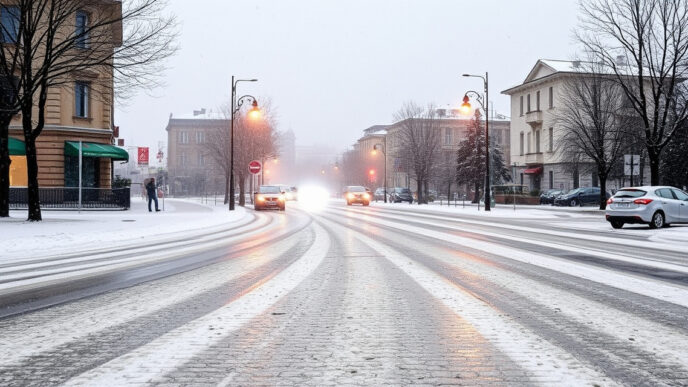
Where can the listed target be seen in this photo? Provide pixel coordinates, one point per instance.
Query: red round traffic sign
(254, 167)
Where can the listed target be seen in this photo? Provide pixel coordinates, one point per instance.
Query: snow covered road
(365, 295)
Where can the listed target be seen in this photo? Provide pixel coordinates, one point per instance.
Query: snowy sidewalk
(501, 210)
(93, 231)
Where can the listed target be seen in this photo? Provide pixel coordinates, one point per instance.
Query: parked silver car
(657, 206)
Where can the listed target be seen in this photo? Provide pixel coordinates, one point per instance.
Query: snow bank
(71, 231)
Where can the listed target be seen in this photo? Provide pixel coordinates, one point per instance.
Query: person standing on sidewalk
(152, 194)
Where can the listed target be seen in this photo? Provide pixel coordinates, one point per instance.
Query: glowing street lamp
(466, 109)
(383, 149)
(253, 113)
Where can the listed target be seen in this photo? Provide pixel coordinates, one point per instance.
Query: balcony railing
(534, 117)
(68, 198)
(535, 158)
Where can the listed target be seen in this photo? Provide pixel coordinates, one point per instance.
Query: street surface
(356, 295)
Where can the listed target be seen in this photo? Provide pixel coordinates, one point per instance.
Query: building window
(182, 159)
(528, 103)
(537, 141)
(551, 97)
(9, 21)
(521, 179)
(200, 137)
(551, 179)
(183, 137)
(551, 139)
(521, 146)
(521, 110)
(201, 159)
(529, 141)
(537, 101)
(81, 99)
(81, 33)
(499, 137)
(447, 136)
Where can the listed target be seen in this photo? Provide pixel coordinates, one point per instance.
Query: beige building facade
(80, 110)
(453, 129)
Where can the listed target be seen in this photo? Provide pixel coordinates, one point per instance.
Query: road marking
(596, 238)
(151, 361)
(547, 362)
(71, 322)
(652, 288)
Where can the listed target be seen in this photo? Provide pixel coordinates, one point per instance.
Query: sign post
(255, 167)
(631, 166)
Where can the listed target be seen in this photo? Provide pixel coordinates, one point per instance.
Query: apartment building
(80, 110)
(534, 132)
(191, 169)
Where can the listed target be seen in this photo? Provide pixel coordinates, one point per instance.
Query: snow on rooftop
(203, 114)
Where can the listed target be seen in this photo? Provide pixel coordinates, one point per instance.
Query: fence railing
(68, 198)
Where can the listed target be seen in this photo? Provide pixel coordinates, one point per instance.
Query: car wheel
(617, 224)
(366, 203)
(574, 203)
(657, 220)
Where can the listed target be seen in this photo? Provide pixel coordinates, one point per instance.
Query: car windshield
(269, 189)
(402, 190)
(574, 191)
(630, 193)
(356, 189)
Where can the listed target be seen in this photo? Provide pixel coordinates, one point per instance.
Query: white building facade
(534, 132)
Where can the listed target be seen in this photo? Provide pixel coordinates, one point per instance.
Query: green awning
(92, 149)
(17, 147)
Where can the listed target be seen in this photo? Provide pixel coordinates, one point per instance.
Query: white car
(658, 206)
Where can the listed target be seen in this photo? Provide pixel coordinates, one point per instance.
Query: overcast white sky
(334, 68)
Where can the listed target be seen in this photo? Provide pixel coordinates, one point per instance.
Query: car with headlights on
(290, 193)
(269, 197)
(657, 206)
(357, 194)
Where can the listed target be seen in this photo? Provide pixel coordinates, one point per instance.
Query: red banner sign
(143, 156)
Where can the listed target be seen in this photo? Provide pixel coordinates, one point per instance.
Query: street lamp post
(483, 103)
(383, 149)
(236, 105)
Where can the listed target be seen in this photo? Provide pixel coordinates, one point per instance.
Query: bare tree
(592, 122)
(645, 44)
(253, 139)
(419, 143)
(116, 43)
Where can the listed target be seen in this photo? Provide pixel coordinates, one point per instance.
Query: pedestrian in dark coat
(152, 194)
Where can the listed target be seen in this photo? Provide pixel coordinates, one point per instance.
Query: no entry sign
(254, 167)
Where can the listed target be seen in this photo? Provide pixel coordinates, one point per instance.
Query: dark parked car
(547, 197)
(398, 195)
(585, 196)
(269, 196)
(357, 194)
(379, 194)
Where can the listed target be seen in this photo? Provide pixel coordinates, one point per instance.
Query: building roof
(376, 129)
(545, 68)
(202, 114)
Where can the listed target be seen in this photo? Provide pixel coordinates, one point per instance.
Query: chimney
(199, 112)
(620, 60)
(576, 64)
